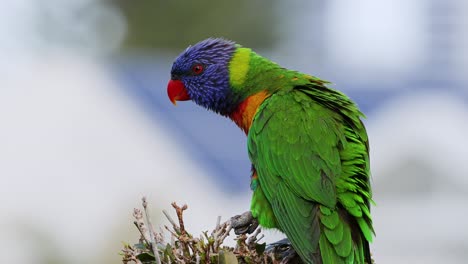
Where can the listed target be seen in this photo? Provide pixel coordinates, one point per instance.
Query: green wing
(296, 144)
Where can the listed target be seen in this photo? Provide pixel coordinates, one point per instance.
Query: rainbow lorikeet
(307, 144)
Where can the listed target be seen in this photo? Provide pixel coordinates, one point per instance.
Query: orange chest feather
(246, 110)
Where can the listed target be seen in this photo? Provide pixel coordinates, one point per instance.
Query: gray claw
(284, 251)
(244, 223)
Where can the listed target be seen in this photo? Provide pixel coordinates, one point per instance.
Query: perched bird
(306, 141)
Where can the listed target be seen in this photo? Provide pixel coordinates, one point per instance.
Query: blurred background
(86, 128)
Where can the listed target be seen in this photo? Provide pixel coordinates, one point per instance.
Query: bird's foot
(283, 250)
(244, 223)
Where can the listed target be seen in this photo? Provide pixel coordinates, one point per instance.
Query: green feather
(366, 229)
(328, 252)
(335, 235)
(343, 248)
(329, 219)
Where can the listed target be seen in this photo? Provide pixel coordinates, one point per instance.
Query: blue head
(201, 73)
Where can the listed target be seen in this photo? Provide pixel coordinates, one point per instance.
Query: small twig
(253, 237)
(207, 252)
(218, 221)
(136, 260)
(220, 233)
(184, 236)
(173, 223)
(193, 246)
(130, 254)
(152, 232)
(179, 211)
(173, 234)
(260, 238)
(140, 224)
(177, 259)
(226, 233)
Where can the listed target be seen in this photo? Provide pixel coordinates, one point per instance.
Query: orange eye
(197, 69)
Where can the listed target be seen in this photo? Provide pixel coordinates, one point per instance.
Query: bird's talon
(244, 223)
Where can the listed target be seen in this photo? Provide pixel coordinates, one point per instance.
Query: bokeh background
(86, 128)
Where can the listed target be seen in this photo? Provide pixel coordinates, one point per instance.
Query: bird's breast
(245, 112)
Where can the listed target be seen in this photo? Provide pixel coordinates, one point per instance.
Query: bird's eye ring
(197, 69)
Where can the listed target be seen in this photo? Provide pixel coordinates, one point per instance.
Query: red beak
(176, 91)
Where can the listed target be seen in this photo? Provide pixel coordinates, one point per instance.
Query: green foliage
(156, 24)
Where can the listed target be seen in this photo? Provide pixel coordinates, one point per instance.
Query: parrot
(309, 149)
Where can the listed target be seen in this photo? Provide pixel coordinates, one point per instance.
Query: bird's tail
(341, 239)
